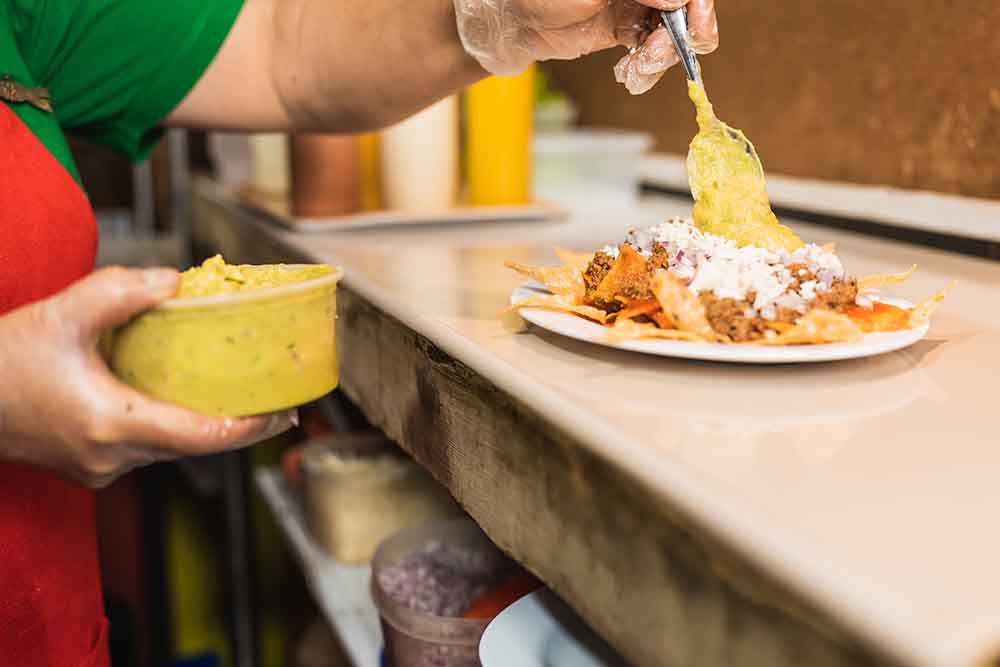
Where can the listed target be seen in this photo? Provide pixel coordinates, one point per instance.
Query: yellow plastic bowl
(235, 354)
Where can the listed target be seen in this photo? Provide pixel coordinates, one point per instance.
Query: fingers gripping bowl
(236, 341)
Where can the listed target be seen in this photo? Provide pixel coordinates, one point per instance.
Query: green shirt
(114, 68)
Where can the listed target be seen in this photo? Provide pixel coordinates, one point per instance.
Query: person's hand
(506, 36)
(642, 67)
(62, 409)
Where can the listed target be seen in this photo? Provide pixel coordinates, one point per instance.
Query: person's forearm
(359, 66)
(336, 66)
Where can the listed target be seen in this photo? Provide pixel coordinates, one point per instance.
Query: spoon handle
(676, 23)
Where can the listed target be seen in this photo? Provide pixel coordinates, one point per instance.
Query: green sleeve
(116, 68)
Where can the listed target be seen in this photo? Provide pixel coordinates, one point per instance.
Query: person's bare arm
(324, 65)
(329, 66)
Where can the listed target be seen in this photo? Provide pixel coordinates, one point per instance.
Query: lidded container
(360, 489)
(423, 580)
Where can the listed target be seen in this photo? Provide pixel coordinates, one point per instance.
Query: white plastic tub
(587, 166)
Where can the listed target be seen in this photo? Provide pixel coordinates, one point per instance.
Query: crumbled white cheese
(808, 290)
(610, 250)
(713, 263)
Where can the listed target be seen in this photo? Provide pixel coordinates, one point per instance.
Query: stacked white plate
(540, 630)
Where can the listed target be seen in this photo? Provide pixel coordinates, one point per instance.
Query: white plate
(576, 327)
(539, 630)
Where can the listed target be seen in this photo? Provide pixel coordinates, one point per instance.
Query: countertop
(869, 487)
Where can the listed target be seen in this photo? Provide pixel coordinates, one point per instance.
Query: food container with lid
(423, 580)
(360, 489)
(238, 353)
(582, 167)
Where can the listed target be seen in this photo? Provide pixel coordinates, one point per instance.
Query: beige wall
(903, 92)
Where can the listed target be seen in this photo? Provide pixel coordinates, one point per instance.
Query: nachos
(676, 282)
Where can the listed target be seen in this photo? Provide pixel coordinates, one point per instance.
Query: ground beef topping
(745, 290)
(738, 320)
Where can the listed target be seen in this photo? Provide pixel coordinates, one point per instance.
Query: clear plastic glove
(62, 409)
(506, 36)
(643, 66)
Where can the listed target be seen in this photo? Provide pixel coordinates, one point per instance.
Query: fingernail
(158, 279)
(293, 417)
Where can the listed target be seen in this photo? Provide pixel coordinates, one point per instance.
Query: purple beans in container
(423, 581)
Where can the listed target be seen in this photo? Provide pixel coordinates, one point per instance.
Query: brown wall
(902, 92)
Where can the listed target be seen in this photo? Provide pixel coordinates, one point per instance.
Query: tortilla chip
(559, 304)
(818, 326)
(636, 308)
(562, 280)
(663, 320)
(682, 306)
(921, 314)
(578, 260)
(780, 327)
(629, 330)
(882, 280)
(628, 275)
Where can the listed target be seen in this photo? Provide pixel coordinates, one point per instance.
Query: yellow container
(194, 595)
(498, 128)
(235, 354)
(371, 179)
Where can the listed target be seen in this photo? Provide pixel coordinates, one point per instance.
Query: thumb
(111, 296)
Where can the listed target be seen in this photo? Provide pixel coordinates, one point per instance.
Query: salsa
(880, 317)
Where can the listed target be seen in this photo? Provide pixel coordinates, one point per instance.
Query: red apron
(51, 610)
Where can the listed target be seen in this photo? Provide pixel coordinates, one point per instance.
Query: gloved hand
(506, 36)
(642, 67)
(62, 409)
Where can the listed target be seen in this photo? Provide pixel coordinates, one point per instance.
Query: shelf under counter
(342, 591)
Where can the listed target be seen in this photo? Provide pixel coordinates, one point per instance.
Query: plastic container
(269, 163)
(582, 166)
(418, 160)
(499, 114)
(232, 162)
(371, 172)
(360, 489)
(415, 639)
(555, 115)
(325, 172)
(234, 354)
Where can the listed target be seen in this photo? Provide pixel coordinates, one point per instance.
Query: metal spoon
(676, 24)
